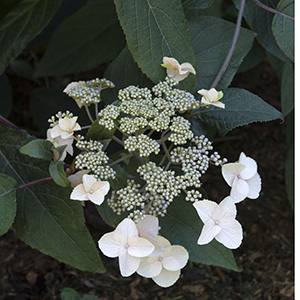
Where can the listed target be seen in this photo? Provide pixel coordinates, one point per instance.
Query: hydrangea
(211, 97)
(65, 128)
(243, 178)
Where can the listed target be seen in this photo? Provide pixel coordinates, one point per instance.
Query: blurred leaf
(123, 71)
(212, 38)
(6, 96)
(57, 172)
(283, 28)
(39, 149)
(196, 4)
(69, 294)
(46, 218)
(241, 108)
(215, 10)
(74, 48)
(8, 204)
(260, 21)
(45, 103)
(89, 297)
(26, 19)
(154, 29)
(182, 226)
(276, 63)
(22, 68)
(6, 6)
(287, 89)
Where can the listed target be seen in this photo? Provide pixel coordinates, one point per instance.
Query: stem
(164, 157)
(167, 154)
(121, 159)
(272, 10)
(28, 184)
(117, 140)
(232, 47)
(89, 114)
(86, 127)
(8, 123)
(96, 110)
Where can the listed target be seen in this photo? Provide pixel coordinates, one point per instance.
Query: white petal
(174, 258)
(239, 190)
(205, 209)
(79, 193)
(231, 171)
(188, 67)
(208, 233)
(202, 92)
(231, 234)
(218, 104)
(250, 164)
(227, 208)
(97, 197)
(64, 124)
(149, 226)
(166, 278)
(103, 186)
(72, 122)
(112, 243)
(88, 181)
(66, 135)
(128, 264)
(212, 95)
(150, 267)
(128, 228)
(157, 247)
(139, 247)
(163, 242)
(76, 179)
(55, 131)
(76, 127)
(254, 186)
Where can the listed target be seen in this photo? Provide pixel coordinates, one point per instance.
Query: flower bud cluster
(193, 196)
(181, 131)
(55, 119)
(93, 159)
(143, 144)
(130, 126)
(87, 92)
(108, 115)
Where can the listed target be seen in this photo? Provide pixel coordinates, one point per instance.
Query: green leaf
(6, 6)
(74, 48)
(154, 29)
(38, 149)
(89, 297)
(46, 218)
(241, 108)
(57, 172)
(123, 71)
(283, 28)
(6, 96)
(182, 226)
(196, 4)
(69, 294)
(99, 132)
(260, 21)
(45, 103)
(287, 89)
(23, 22)
(212, 38)
(8, 204)
(23, 68)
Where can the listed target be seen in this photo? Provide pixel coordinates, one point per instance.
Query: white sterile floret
(243, 178)
(125, 243)
(76, 179)
(211, 97)
(65, 128)
(176, 70)
(164, 269)
(90, 189)
(219, 223)
(59, 141)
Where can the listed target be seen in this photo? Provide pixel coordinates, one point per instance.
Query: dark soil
(265, 258)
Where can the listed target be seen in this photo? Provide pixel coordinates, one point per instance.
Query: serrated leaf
(154, 29)
(8, 204)
(45, 103)
(123, 71)
(74, 48)
(69, 294)
(182, 226)
(6, 96)
(211, 39)
(260, 21)
(99, 132)
(287, 89)
(23, 22)
(57, 172)
(46, 218)
(283, 28)
(38, 149)
(241, 108)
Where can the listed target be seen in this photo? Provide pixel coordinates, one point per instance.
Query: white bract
(211, 97)
(176, 70)
(243, 178)
(90, 189)
(76, 179)
(219, 223)
(65, 128)
(125, 243)
(164, 268)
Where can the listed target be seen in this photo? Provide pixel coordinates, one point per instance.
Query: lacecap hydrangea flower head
(243, 178)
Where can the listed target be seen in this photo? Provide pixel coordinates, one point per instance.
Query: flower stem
(232, 47)
(272, 10)
(8, 123)
(117, 140)
(121, 159)
(89, 114)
